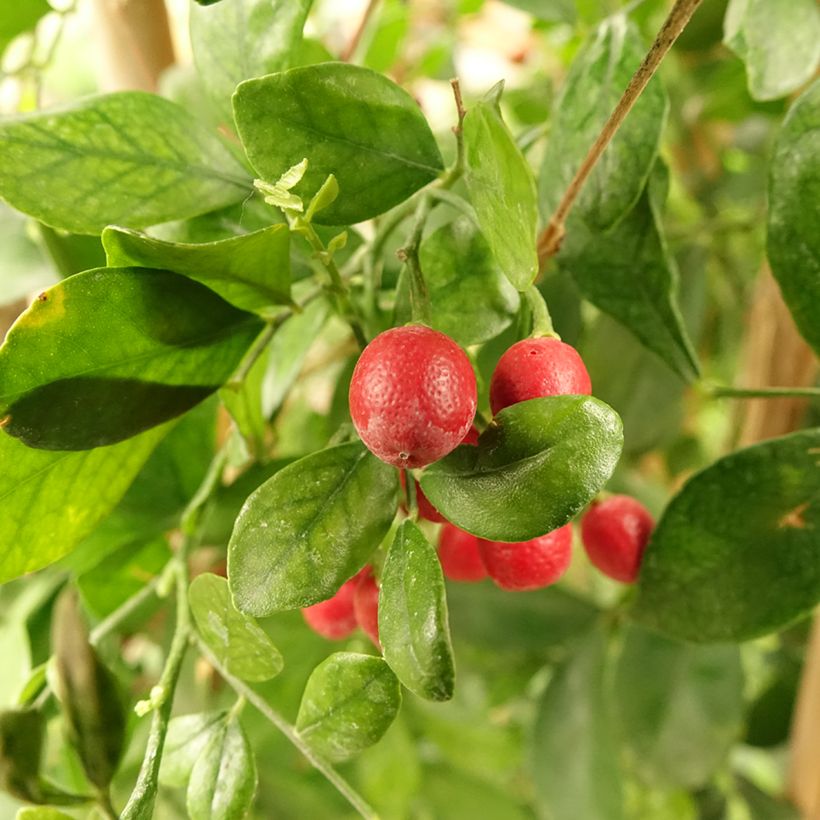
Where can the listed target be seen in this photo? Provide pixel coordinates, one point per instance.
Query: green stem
(720, 392)
(541, 319)
(126, 609)
(289, 731)
(419, 295)
(411, 492)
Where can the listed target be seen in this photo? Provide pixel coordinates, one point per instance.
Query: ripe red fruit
(534, 368)
(412, 396)
(615, 533)
(334, 618)
(426, 510)
(366, 604)
(529, 564)
(459, 555)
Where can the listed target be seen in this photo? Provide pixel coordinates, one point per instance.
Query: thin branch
(549, 242)
(289, 731)
(719, 392)
(126, 609)
(419, 295)
(350, 50)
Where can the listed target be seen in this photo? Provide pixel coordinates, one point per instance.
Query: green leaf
(680, 707)
(129, 158)
(793, 238)
(348, 121)
(735, 554)
(243, 39)
(187, 737)
(236, 640)
(471, 299)
(308, 529)
(349, 702)
(41, 813)
(778, 40)
(24, 268)
(15, 18)
(413, 627)
(575, 756)
(52, 500)
(21, 745)
(502, 188)
(561, 448)
(223, 780)
(553, 11)
(629, 273)
(159, 344)
(88, 694)
(598, 77)
(251, 271)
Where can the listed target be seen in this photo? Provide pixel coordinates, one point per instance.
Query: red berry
(615, 533)
(334, 618)
(366, 604)
(412, 396)
(459, 555)
(529, 564)
(534, 368)
(426, 509)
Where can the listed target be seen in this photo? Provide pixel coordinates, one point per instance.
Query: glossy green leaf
(778, 40)
(129, 158)
(243, 39)
(502, 189)
(735, 553)
(562, 448)
(223, 780)
(349, 702)
(251, 271)
(575, 755)
(52, 500)
(159, 344)
(793, 238)
(236, 640)
(187, 737)
(15, 18)
(308, 529)
(413, 627)
(471, 300)
(88, 693)
(348, 121)
(628, 273)
(680, 707)
(599, 74)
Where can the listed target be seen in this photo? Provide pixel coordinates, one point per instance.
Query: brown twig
(348, 53)
(551, 237)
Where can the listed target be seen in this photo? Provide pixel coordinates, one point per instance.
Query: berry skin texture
(459, 555)
(615, 533)
(412, 396)
(530, 564)
(335, 618)
(534, 368)
(366, 605)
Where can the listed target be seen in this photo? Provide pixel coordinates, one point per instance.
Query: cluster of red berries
(413, 400)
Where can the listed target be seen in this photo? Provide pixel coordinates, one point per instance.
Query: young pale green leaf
(251, 271)
(152, 159)
(236, 640)
(41, 813)
(243, 39)
(223, 780)
(348, 121)
(159, 344)
(778, 40)
(628, 273)
(735, 554)
(52, 500)
(680, 707)
(187, 737)
(597, 79)
(575, 754)
(502, 189)
(308, 529)
(90, 701)
(413, 626)
(535, 467)
(793, 237)
(470, 298)
(349, 702)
